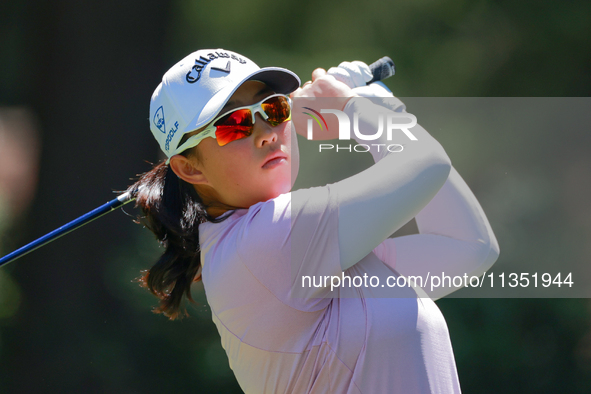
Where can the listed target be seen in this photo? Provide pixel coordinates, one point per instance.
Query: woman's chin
(276, 192)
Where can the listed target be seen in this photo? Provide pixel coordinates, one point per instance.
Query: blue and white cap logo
(159, 120)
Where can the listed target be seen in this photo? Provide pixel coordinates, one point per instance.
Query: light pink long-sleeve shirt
(283, 337)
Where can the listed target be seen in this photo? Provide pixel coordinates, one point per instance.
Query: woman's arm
(455, 239)
(376, 202)
(455, 236)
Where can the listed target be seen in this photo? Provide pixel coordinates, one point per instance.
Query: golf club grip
(381, 69)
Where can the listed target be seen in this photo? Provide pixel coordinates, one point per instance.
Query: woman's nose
(264, 131)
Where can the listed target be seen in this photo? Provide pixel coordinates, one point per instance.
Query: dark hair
(172, 210)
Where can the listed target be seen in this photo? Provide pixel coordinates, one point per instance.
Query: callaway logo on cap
(195, 89)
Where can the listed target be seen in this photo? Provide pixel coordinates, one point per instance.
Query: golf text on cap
(170, 135)
(195, 73)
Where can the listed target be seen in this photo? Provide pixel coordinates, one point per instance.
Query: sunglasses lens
(233, 126)
(278, 110)
(238, 124)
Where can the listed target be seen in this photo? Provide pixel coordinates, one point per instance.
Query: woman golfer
(307, 291)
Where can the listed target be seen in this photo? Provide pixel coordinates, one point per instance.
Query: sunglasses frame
(210, 130)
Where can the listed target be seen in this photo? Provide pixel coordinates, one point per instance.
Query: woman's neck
(212, 203)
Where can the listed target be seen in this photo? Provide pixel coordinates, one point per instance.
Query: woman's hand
(322, 92)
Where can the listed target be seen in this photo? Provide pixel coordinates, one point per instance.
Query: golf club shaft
(65, 229)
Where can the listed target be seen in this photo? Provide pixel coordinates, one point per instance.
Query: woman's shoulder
(274, 218)
(246, 216)
(310, 202)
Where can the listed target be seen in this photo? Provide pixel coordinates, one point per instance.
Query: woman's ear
(186, 169)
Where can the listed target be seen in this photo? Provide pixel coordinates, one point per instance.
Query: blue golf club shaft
(65, 229)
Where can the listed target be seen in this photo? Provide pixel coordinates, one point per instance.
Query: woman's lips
(275, 162)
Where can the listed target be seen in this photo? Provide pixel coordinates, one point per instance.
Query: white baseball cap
(195, 89)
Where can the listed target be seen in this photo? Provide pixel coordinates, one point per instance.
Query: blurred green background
(75, 82)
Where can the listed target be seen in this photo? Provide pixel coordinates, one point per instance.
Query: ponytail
(172, 211)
